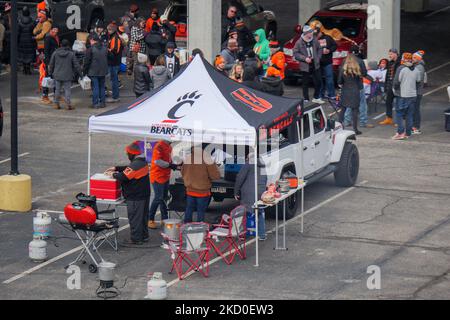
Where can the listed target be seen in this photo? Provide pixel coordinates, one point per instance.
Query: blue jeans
(327, 81)
(261, 222)
(405, 110)
(160, 191)
(114, 74)
(363, 117)
(193, 204)
(98, 90)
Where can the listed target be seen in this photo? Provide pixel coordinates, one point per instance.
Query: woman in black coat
(350, 81)
(26, 43)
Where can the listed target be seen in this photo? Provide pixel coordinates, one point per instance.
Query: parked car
(254, 16)
(327, 149)
(350, 19)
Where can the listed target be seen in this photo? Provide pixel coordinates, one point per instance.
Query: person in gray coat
(159, 73)
(308, 52)
(96, 68)
(63, 66)
(420, 66)
(244, 190)
(230, 54)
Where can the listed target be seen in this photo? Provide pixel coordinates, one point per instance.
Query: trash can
(447, 120)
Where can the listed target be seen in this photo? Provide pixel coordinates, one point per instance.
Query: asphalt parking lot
(397, 217)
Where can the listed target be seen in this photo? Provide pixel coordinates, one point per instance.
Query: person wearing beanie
(26, 45)
(129, 19)
(168, 30)
(51, 43)
(419, 63)
(406, 81)
(391, 69)
(135, 182)
(160, 171)
(142, 80)
(277, 61)
(63, 68)
(115, 50)
(220, 64)
(245, 38)
(171, 61)
(308, 52)
(42, 28)
(96, 68)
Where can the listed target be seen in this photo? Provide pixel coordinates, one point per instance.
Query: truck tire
(348, 168)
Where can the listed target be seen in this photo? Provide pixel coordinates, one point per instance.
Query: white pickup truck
(327, 148)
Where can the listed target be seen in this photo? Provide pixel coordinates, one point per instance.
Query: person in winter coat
(135, 182)
(253, 62)
(51, 43)
(262, 48)
(153, 23)
(393, 64)
(130, 18)
(251, 80)
(100, 31)
(245, 38)
(420, 66)
(6, 43)
(155, 44)
(142, 80)
(272, 82)
(171, 61)
(2, 38)
(230, 54)
(96, 68)
(42, 28)
(62, 68)
(277, 60)
(308, 52)
(115, 49)
(229, 22)
(406, 81)
(26, 45)
(136, 44)
(350, 81)
(328, 47)
(159, 73)
(168, 30)
(198, 172)
(160, 171)
(244, 190)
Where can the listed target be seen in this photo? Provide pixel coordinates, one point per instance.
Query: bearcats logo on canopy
(188, 98)
(250, 99)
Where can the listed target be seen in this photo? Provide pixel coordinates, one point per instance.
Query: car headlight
(288, 52)
(340, 54)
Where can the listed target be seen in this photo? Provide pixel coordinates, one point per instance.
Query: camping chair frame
(233, 233)
(184, 252)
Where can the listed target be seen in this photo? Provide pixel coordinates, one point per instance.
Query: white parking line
(61, 256)
(437, 89)
(438, 67)
(19, 156)
(57, 192)
(379, 116)
(175, 281)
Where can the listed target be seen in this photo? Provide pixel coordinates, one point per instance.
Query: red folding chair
(191, 250)
(228, 238)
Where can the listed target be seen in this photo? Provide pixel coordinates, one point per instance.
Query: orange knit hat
(219, 60)
(133, 149)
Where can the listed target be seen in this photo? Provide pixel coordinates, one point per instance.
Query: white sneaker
(319, 101)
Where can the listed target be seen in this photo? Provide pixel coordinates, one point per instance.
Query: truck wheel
(348, 167)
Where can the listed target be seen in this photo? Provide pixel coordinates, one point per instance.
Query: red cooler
(104, 187)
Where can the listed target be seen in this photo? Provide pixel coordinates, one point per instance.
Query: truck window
(307, 130)
(318, 121)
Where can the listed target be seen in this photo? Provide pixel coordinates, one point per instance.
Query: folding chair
(191, 249)
(231, 235)
(176, 203)
(90, 231)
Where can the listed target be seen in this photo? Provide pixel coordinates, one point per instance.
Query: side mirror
(298, 29)
(331, 124)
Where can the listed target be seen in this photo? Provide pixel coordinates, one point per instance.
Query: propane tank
(156, 287)
(41, 224)
(37, 249)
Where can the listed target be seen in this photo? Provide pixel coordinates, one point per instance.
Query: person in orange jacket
(153, 21)
(160, 170)
(278, 60)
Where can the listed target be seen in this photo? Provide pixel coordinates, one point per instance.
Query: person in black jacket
(51, 43)
(135, 183)
(155, 44)
(250, 79)
(168, 30)
(172, 62)
(229, 22)
(142, 80)
(392, 66)
(26, 44)
(115, 49)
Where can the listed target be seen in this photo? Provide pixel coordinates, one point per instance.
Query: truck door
(308, 146)
(321, 139)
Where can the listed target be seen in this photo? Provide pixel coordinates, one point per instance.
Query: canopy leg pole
(89, 164)
(256, 203)
(145, 148)
(300, 133)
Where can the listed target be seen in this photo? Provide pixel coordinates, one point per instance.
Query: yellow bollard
(15, 193)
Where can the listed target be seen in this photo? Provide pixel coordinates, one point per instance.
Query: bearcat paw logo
(189, 98)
